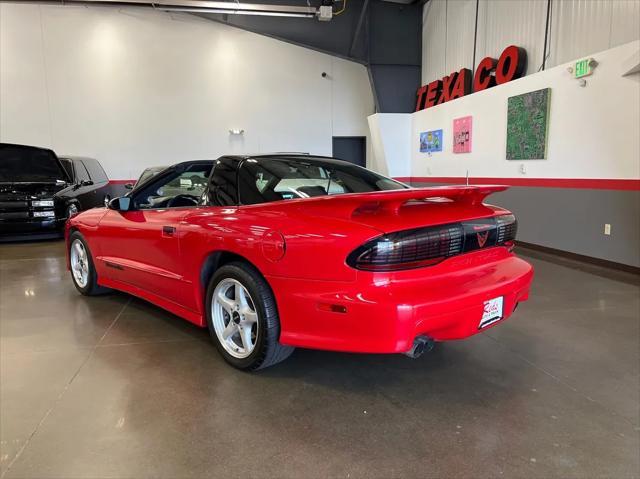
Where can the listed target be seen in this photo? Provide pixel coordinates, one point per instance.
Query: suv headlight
(44, 214)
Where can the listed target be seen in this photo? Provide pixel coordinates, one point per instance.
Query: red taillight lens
(428, 246)
(507, 227)
(408, 249)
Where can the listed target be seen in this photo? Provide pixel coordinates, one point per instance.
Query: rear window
(26, 164)
(275, 179)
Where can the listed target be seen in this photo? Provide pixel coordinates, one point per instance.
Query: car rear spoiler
(392, 200)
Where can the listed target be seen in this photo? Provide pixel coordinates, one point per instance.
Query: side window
(178, 189)
(223, 188)
(81, 171)
(95, 170)
(68, 166)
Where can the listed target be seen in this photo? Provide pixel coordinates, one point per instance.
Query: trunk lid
(398, 210)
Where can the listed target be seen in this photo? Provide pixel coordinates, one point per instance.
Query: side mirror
(121, 203)
(82, 183)
(128, 186)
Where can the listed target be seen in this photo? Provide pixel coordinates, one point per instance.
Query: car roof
(29, 147)
(306, 157)
(76, 158)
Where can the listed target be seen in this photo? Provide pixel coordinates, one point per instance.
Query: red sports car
(280, 251)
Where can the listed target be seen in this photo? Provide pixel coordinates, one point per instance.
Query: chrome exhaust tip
(421, 345)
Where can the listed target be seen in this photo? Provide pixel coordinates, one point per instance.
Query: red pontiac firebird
(280, 251)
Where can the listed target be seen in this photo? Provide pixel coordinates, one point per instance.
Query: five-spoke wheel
(234, 318)
(79, 263)
(83, 272)
(243, 318)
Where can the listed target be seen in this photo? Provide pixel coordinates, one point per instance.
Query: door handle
(168, 230)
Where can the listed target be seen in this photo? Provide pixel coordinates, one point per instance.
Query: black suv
(39, 191)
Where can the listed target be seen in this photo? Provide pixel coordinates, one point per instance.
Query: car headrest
(312, 190)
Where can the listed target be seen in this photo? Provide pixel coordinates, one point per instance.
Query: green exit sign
(583, 68)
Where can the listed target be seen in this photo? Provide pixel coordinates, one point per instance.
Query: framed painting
(527, 125)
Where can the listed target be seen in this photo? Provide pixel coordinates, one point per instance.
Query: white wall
(593, 130)
(136, 87)
(391, 144)
(577, 28)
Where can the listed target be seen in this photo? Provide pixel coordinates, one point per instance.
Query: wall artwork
(527, 123)
(462, 134)
(430, 141)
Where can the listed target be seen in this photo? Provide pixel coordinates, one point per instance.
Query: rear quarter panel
(316, 248)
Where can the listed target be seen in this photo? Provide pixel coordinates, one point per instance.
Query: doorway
(351, 148)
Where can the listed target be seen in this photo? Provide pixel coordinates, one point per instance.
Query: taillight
(408, 249)
(507, 226)
(428, 246)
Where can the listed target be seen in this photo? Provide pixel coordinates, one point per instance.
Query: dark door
(100, 182)
(351, 148)
(84, 191)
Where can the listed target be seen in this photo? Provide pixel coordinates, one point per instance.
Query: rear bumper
(386, 311)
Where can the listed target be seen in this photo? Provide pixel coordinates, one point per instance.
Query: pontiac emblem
(482, 238)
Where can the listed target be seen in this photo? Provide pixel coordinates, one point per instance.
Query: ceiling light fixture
(193, 6)
(235, 12)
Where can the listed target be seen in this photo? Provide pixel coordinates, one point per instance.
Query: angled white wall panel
(391, 143)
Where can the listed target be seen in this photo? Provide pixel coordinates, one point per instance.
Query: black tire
(91, 288)
(268, 350)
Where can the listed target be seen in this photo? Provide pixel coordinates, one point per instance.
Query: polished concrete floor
(114, 387)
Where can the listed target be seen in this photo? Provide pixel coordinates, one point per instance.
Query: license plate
(492, 312)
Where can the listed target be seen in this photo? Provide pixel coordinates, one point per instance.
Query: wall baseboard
(581, 258)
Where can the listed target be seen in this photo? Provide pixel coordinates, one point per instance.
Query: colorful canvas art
(431, 141)
(462, 134)
(527, 123)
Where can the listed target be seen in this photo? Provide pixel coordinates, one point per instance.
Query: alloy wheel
(235, 319)
(79, 263)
